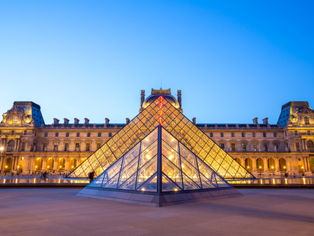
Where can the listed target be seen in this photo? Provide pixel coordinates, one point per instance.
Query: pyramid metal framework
(161, 112)
(159, 163)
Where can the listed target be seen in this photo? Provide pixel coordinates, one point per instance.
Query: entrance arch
(271, 164)
(8, 164)
(50, 163)
(248, 163)
(282, 164)
(259, 164)
(311, 164)
(72, 164)
(38, 164)
(61, 164)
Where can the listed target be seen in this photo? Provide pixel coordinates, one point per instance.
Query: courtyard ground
(48, 212)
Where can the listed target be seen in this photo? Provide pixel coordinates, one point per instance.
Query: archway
(50, 163)
(238, 160)
(72, 164)
(310, 146)
(38, 164)
(260, 164)
(11, 145)
(282, 164)
(271, 164)
(248, 163)
(8, 164)
(61, 164)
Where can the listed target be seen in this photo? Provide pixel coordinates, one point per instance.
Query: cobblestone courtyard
(59, 212)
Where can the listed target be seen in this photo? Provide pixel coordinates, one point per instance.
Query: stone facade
(29, 145)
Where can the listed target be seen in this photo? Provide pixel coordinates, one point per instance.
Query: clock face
(294, 118)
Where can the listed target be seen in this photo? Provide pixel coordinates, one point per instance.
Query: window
(306, 120)
(243, 134)
(222, 145)
(55, 147)
(275, 134)
(221, 134)
(265, 147)
(23, 146)
(77, 134)
(88, 134)
(77, 147)
(308, 133)
(253, 134)
(45, 147)
(66, 147)
(99, 134)
(87, 147)
(255, 147)
(98, 145)
(12, 132)
(46, 134)
(295, 132)
(232, 134)
(211, 135)
(25, 132)
(35, 133)
(297, 145)
(233, 148)
(57, 134)
(243, 147)
(110, 134)
(276, 146)
(264, 135)
(67, 135)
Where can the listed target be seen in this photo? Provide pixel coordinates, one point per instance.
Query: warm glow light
(272, 167)
(35, 166)
(172, 139)
(60, 166)
(6, 166)
(22, 158)
(148, 157)
(302, 167)
(182, 166)
(48, 166)
(143, 189)
(284, 167)
(175, 189)
(260, 167)
(72, 166)
(18, 166)
(248, 167)
(170, 157)
(1, 148)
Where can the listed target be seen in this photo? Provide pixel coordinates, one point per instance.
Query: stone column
(277, 169)
(55, 164)
(44, 167)
(67, 162)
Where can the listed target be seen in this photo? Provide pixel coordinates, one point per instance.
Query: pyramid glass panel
(150, 185)
(130, 183)
(170, 170)
(147, 171)
(161, 112)
(168, 185)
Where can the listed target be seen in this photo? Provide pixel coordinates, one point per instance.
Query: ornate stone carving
(16, 117)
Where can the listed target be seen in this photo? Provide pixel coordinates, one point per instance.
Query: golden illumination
(248, 167)
(22, 158)
(175, 189)
(284, 167)
(170, 157)
(260, 167)
(6, 166)
(302, 167)
(72, 166)
(272, 167)
(1, 148)
(148, 157)
(18, 166)
(143, 189)
(60, 166)
(35, 166)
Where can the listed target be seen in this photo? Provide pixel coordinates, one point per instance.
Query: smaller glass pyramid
(159, 163)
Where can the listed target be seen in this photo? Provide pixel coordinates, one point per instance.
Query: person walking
(91, 176)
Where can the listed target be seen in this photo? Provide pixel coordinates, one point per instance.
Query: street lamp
(260, 172)
(1, 148)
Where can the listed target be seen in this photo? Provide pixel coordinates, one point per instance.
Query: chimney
(66, 121)
(55, 121)
(127, 120)
(86, 121)
(142, 97)
(179, 98)
(194, 120)
(265, 121)
(107, 121)
(76, 121)
(116, 125)
(255, 121)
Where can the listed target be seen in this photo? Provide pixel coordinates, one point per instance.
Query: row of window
(13, 132)
(243, 134)
(78, 134)
(296, 133)
(66, 147)
(254, 147)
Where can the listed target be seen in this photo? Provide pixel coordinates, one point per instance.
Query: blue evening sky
(233, 60)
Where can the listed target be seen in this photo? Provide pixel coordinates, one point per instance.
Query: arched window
(282, 164)
(311, 164)
(295, 132)
(248, 163)
(25, 132)
(243, 146)
(308, 133)
(271, 164)
(306, 120)
(11, 145)
(110, 134)
(61, 164)
(259, 164)
(50, 163)
(310, 146)
(72, 163)
(38, 164)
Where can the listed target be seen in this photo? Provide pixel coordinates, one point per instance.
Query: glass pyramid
(159, 163)
(161, 112)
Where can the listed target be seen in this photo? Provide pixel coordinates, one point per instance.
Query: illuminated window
(211, 135)
(99, 134)
(233, 147)
(67, 135)
(57, 134)
(275, 134)
(110, 134)
(55, 147)
(243, 147)
(88, 134)
(232, 134)
(306, 120)
(254, 147)
(264, 135)
(221, 134)
(46, 134)
(77, 134)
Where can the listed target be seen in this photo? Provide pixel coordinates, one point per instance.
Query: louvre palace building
(28, 145)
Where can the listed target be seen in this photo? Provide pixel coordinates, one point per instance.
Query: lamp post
(260, 170)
